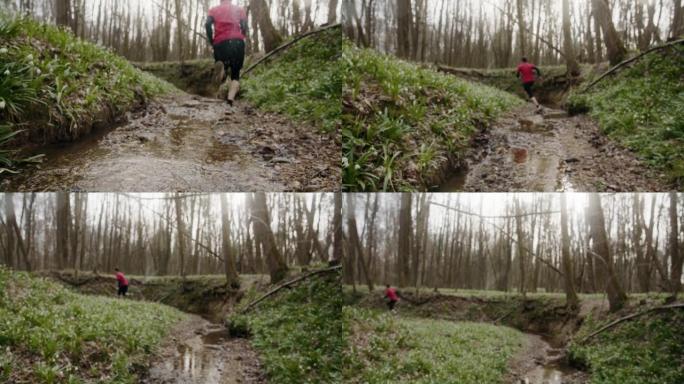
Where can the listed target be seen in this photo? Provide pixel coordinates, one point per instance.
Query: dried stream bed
(190, 143)
(199, 352)
(524, 151)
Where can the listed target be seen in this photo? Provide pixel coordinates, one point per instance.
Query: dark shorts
(391, 304)
(232, 54)
(122, 290)
(528, 88)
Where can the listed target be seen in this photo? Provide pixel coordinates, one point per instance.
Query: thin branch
(288, 44)
(287, 284)
(629, 317)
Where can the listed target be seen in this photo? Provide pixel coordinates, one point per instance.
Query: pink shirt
(391, 294)
(227, 22)
(121, 279)
(526, 71)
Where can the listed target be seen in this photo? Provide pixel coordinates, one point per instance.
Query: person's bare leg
(233, 91)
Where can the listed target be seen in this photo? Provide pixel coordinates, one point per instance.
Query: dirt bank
(524, 151)
(190, 143)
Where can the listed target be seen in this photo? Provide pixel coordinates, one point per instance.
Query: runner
(226, 29)
(528, 73)
(122, 282)
(392, 297)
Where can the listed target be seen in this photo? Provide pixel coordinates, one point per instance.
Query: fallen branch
(629, 317)
(629, 61)
(288, 284)
(288, 44)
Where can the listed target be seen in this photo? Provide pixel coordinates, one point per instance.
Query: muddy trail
(543, 361)
(191, 143)
(200, 352)
(527, 151)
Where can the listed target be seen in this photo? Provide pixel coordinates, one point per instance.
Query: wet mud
(191, 143)
(525, 151)
(543, 362)
(200, 352)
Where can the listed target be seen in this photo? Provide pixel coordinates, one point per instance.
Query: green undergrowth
(49, 334)
(303, 82)
(646, 350)
(404, 125)
(54, 86)
(384, 348)
(642, 107)
(298, 333)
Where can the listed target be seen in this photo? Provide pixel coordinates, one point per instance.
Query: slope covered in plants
(49, 334)
(406, 125)
(298, 333)
(303, 82)
(56, 87)
(642, 107)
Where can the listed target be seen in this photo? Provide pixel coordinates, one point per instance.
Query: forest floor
(202, 352)
(526, 151)
(191, 143)
(500, 337)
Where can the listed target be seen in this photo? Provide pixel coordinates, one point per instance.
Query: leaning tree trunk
(616, 49)
(675, 256)
(572, 301)
(232, 278)
(571, 61)
(277, 267)
(271, 37)
(616, 295)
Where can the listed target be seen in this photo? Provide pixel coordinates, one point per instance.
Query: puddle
(519, 155)
(203, 359)
(551, 367)
(455, 182)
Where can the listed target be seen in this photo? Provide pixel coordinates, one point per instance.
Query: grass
(404, 124)
(642, 107)
(52, 335)
(388, 349)
(304, 82)
(54, 86)
(298, 333)
(647, 350)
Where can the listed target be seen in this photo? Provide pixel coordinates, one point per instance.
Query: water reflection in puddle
(197, 361)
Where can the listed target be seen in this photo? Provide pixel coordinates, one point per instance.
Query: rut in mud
(525, 151)
(543, 362)
(191, 143)
(200, 352)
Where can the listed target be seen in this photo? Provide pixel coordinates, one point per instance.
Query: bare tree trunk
(675, 256)
(232, 278)
(570, 59)
(616, 49)
(616, 295)
(404, 250)
(262, 227)
(571, 299)
(180, 227)
(271, 37)
(404, 27)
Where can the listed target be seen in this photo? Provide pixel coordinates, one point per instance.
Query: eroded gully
(201, 352)
(190, 143)
(526, 151)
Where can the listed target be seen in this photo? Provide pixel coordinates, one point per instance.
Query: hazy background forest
(496, 33)
(161, 30)
(166, 234)
(515, 242)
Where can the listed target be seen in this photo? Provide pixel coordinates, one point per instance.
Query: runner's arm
(243, 27)
(210, 30)
(538, 71)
